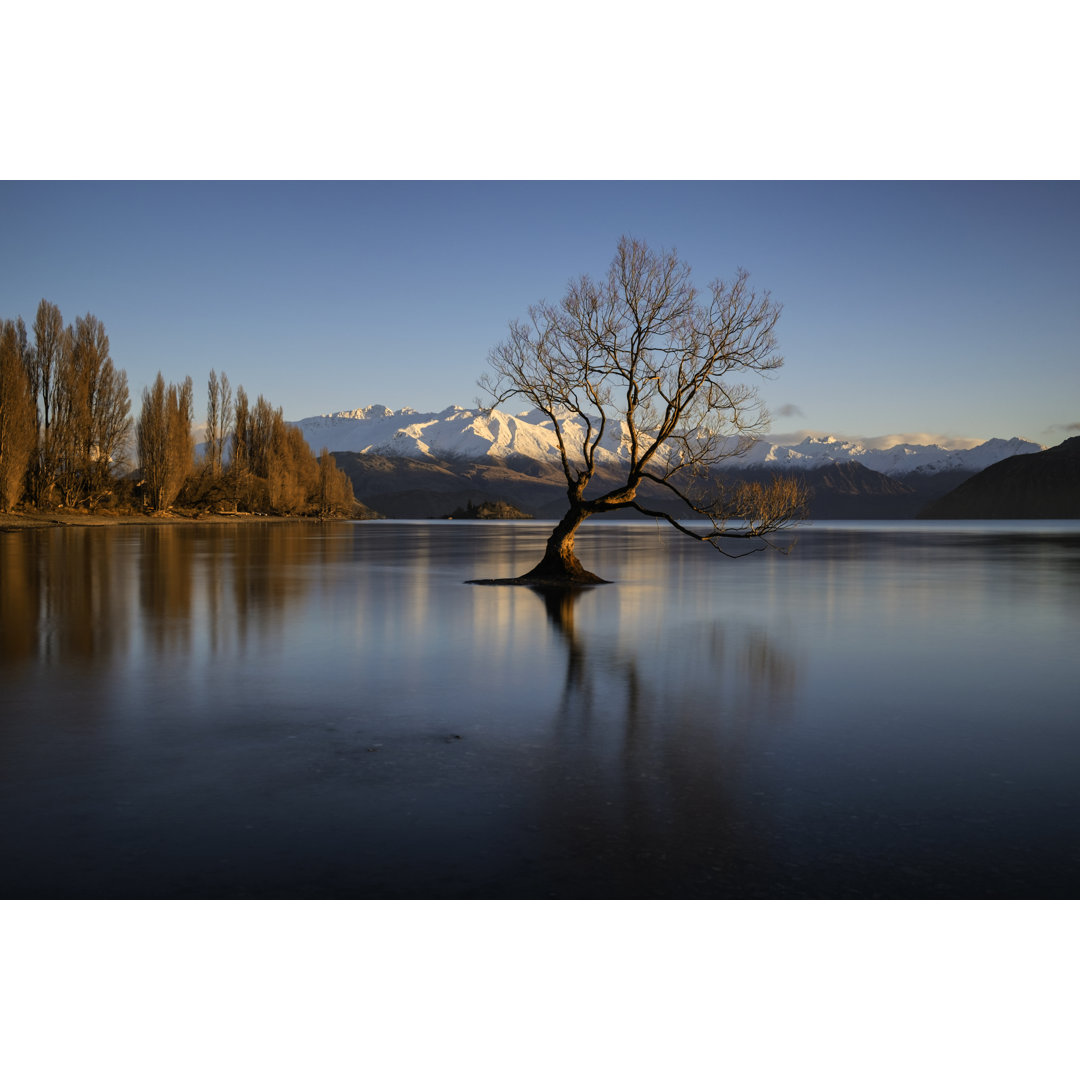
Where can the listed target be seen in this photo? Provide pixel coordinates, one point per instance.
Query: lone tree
(640, 371)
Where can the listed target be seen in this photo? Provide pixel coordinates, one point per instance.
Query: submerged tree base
(545, 581)
(560, 567)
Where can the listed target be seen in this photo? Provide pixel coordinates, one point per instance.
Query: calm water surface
(328, 711)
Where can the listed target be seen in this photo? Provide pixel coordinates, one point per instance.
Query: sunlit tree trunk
(559, 562)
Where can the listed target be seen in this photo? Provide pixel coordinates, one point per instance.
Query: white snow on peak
(478, 434)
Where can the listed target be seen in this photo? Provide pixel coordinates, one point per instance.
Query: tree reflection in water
(195, 714)
(650, 790)
(59, 589)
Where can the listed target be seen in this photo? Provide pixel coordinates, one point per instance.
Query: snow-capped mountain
(898, 460)
(455, 433)
(471, 434)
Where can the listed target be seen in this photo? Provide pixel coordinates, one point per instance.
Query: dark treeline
(67, 439)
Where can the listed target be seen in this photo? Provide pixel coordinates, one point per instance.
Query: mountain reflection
(646, 787)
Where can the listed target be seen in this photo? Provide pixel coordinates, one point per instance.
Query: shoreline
(15, 521)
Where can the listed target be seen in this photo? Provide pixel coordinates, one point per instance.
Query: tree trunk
(560, 566)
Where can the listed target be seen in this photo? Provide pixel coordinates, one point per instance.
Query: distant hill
(1043, 485)
(404, 487)
(848, 490)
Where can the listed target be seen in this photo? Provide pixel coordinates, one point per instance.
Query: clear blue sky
(950, 309)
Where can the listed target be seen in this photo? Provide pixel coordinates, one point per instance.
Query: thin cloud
(789, 410)
(789, 438)
(877, 442)
(920, 438)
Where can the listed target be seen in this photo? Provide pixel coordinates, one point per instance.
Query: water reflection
(165, 588)
(68, 594)
(55, 587)
(646, 795)
(326, 710)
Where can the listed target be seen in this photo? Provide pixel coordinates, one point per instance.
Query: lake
(326, 710)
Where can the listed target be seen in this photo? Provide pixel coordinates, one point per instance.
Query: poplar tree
(92, 414)
(16, 415)
(43, 368)
(336, 494)
(218, 410)
(240, 466)
(164, 440)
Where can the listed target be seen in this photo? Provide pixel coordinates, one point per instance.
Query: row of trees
(64, 412)
(66, 435)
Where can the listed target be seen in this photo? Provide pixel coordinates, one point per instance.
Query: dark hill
(1042, 485)
(846, 489)
(402, 487)
(411, 488)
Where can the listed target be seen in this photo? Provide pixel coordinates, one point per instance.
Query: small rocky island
(496, 509)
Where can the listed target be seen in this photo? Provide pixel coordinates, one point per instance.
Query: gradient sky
(949, 310)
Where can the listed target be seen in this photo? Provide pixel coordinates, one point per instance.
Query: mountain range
(413, 464)
(458, 433)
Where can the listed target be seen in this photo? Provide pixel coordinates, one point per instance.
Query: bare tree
(181, 442)
(292, 479)
(49, 342)
(16, 414)
(44, 364)
(92, 413)
(265, 420)
(335, 493)
(638, 372)
(67, 423)
(152, 443)
(211, 462)
(112, 430)
(164, 440)
(218, 413)
(240, 466)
